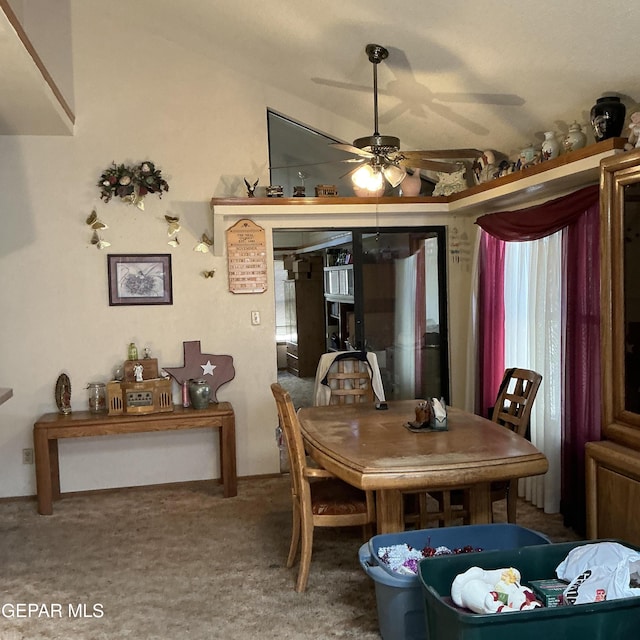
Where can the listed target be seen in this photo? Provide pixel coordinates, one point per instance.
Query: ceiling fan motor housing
(376, 53)
(378, 144)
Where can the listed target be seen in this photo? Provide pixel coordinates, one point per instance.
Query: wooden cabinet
(613, 465)
(304, 312)
(613, 491)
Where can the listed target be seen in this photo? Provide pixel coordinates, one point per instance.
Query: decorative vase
(199, 393)
(550, 146)
(575, 139)
(411, 184)
(607, 117)
(528, 154)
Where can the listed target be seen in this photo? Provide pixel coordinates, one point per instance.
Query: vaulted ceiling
(492, 74)
(489, 74)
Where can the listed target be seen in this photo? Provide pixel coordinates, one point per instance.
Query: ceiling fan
(380, 155)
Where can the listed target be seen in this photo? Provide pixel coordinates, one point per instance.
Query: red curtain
(578, 215)
(542, 220)
(491, 322)
(581, 396)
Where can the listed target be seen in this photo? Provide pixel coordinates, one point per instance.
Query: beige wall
(138, 96)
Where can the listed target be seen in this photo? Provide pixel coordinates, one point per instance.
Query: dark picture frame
(139, 279)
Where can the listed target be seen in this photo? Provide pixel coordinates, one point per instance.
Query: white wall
(47, 24)
(137, 96)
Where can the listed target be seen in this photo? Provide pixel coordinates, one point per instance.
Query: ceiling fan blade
(431, 165)
(349, 148)
(442, 154)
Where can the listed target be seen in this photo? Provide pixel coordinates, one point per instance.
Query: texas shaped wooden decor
(216, 370)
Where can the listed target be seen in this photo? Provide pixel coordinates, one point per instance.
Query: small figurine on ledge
(251, 189)
(633, 142)
(137, 372)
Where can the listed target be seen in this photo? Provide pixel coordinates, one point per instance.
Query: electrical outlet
(27, 456)
(255, 317)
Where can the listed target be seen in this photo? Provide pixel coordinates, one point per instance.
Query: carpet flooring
(300, 389)
(182, 562)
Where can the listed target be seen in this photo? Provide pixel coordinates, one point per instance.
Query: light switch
(255, 317)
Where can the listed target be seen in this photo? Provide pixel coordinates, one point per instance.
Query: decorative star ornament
(207, 369)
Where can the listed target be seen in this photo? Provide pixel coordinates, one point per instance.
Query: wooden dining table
(372, 449)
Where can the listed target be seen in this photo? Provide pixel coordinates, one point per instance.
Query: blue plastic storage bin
(399, 598)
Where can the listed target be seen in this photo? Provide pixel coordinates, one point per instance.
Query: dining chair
(512, 410)
(347, 377)
(516, 395)
(319, 498)
(350, 382)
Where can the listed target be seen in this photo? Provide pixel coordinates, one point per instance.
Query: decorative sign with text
(247, 257)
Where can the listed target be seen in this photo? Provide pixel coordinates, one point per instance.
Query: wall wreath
(131, 183)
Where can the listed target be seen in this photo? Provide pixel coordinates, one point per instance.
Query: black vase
(607, 117)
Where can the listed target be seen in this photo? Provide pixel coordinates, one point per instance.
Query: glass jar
(97, 397)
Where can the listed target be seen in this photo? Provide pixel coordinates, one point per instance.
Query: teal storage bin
(399, 598)
(607, 620)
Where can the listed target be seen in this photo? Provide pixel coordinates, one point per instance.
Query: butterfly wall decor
(173, 226)
(97, 225)
(205, 243)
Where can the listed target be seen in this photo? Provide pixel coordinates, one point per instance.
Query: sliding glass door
(385, 291)
(401, 309)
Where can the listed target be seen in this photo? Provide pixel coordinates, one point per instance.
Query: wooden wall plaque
(247, 257)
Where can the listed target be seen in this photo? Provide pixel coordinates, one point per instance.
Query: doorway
(383, 291)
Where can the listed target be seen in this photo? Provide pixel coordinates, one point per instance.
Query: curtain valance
(542, 220)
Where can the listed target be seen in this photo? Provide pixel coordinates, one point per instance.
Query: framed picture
(140, 279)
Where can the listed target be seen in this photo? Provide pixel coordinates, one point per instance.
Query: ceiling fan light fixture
(394, 174)
(368, 177)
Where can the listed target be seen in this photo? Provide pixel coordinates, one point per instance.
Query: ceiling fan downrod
(377, 143)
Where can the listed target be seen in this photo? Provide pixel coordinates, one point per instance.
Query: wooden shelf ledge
(546, 179)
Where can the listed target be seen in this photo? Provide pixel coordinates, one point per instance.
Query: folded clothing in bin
(600, 571)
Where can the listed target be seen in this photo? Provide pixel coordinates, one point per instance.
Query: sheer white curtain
(533, 340)
(405, 328)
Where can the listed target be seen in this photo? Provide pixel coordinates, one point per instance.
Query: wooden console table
(50, 427)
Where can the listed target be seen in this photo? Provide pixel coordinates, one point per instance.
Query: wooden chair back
(515, 399)
(350, 381)
(294, 442)
(319, 498)
(513, 406)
